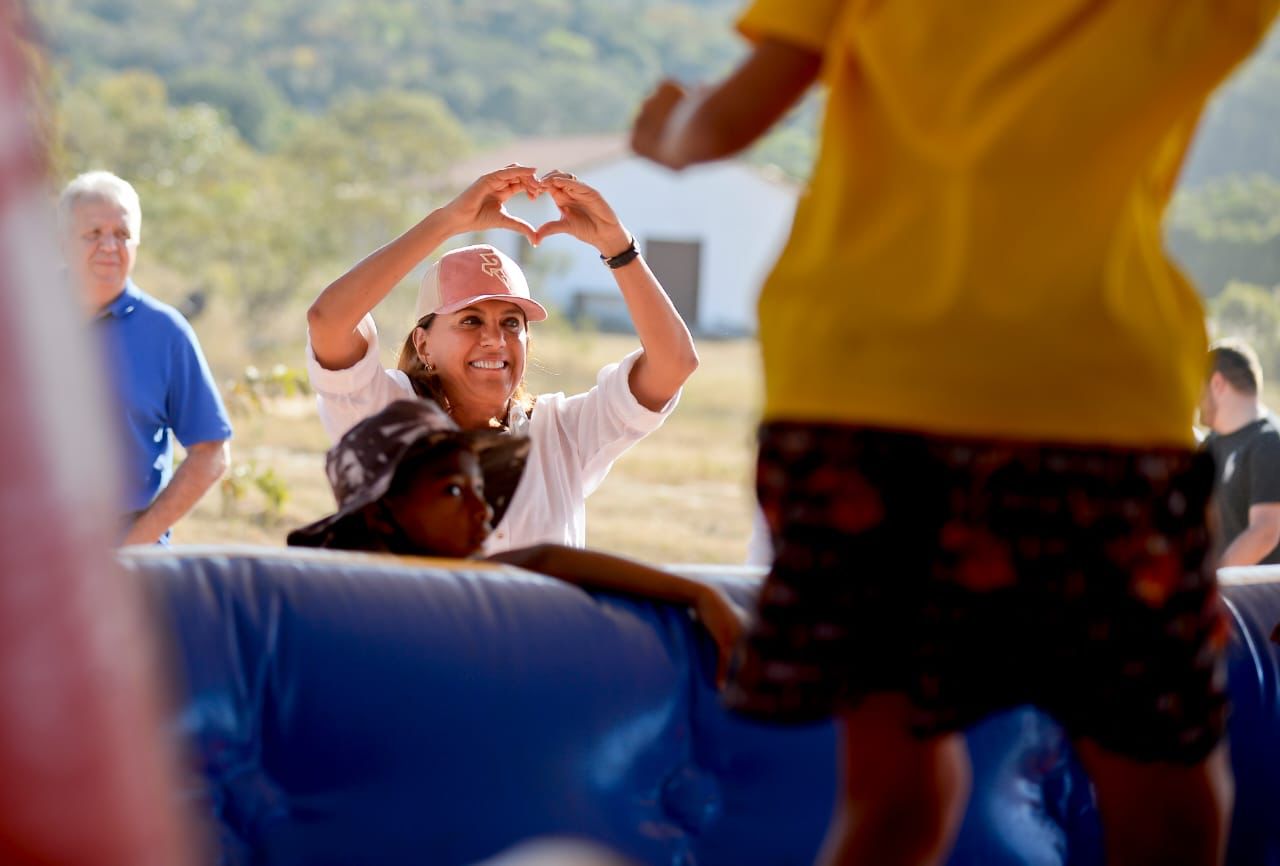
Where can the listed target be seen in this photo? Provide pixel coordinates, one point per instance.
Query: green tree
(539, 65)
(249, 100)
(214, 210)
(1238, 132)
(1228, 229)
(1251, 313)
(371, 163)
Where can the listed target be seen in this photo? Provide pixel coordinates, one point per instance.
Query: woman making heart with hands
(468, 346)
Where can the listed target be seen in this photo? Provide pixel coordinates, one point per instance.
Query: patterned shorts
(976, 575)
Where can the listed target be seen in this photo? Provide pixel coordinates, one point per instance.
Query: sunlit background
(275, 143)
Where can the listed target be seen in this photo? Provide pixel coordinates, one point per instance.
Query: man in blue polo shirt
(161, 380)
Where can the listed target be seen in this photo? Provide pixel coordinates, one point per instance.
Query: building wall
(740, 218)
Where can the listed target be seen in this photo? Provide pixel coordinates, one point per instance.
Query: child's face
(441, 509)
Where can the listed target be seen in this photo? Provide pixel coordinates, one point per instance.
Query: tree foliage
(1251, 313)
(276, 141)
(1228, 229)
(1238, 135)
(249, 228)
(520, 66)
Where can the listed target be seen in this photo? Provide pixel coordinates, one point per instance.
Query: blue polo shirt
(162, 384)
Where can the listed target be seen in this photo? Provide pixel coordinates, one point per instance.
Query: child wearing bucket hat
(467, 348)
(376, 467)
(408, 481)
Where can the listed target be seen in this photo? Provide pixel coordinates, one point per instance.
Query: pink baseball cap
(468, 275)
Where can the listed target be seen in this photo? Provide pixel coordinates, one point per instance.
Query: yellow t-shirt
(979, 250)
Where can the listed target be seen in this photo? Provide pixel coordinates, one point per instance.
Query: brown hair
(426, 383)
(1238, 364)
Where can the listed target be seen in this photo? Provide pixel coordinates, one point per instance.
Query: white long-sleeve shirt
(574, 439)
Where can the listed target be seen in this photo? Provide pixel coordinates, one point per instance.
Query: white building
(710, 233)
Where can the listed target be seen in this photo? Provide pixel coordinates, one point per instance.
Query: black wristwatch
(625, 257)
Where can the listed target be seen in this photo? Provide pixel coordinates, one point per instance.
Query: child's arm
(677, 128)
(591, 569)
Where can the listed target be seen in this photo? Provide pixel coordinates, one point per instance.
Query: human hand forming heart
(584, 214)
(482, 205)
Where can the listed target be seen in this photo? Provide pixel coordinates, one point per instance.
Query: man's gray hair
(101, 186)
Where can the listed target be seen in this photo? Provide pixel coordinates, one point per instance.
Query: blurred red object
(86, 775)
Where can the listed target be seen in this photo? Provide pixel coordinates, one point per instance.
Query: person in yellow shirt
(981, 370)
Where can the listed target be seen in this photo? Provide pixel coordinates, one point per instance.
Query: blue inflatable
(348, 709)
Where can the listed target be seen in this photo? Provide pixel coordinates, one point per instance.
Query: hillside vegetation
(275, 142)
(311, 127)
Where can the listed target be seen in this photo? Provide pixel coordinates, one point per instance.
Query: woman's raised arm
(334, 315)
(669, 356)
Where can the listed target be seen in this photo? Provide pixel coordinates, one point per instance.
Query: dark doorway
(677, 264)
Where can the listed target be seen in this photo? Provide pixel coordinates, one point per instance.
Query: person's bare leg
(901, 798)
(1159, 812)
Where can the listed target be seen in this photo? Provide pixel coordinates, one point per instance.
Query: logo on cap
(492, 265)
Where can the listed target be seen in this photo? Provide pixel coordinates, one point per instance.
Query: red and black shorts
(976, 575)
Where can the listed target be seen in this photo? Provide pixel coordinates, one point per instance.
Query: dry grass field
(682, 495)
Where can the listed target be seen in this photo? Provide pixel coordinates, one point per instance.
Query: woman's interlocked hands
(482, 205)
(584, 214)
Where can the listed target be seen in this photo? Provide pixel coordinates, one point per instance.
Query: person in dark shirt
(1245, 444)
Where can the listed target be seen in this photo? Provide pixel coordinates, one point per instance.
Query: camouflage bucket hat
(362, 466)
